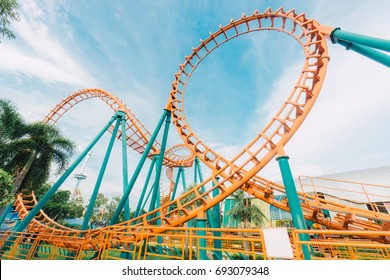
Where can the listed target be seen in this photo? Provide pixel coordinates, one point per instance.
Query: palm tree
(28, 150)
(12, 128)
(244, 212)
(47, 146)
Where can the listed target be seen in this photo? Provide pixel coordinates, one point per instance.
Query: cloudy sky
(133, 48)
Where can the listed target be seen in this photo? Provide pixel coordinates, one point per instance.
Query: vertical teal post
(141, 199)
(293, 202)
(183, 181)
(155, 187)
(99, 180)
(195, 172)
(156, 194)
(216, 217)
(125, 255)
(201, 224)
(181, 169)
(155, 201)
(125, 167)
(199, 172)
(21, 226)
(139, 167)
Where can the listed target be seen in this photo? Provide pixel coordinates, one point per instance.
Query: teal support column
(199, 172)
(367, 52)
(181, 169)
(155, 189)
(147, 197)
(139, 167)
(216, 217)
(183, 181)
(125, 167)
(155, 202)
(372, 42)
(370, 47)
(22, 225)
(141, 199)
(201, 224)
(293, 202)
(195, 172)
(99, 180)
(5, 213)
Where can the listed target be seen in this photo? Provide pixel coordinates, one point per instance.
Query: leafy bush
(6, 188)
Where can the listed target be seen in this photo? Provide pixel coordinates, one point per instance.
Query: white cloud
(39, 52)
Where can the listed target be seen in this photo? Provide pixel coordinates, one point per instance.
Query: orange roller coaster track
(136, 134)
(240, 171)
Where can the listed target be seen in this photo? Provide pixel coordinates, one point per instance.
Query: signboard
(277, 243)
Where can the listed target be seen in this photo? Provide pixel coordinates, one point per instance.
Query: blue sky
(133, 48)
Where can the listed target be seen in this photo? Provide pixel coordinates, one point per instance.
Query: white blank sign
(277, 243)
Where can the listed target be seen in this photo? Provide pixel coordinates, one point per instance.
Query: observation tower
(80, 177)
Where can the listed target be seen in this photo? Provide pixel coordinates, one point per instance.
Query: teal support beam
(125, 172)
(155, 202)
(195, 172)
(367, 52)
(5, 213)
(183, 181)
(139, 167)
(367, 46)
(22, 225)
(201, 224)
(99, 180)
(198, 170)
(155, 187)
(147, 197)
(181, 169)
(293, 202)
(216, 217)
(368, 41)
(141, 199)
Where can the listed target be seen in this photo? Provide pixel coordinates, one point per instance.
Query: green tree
(245, 212)
(190, 196)
(47, 146)
(8, 13)
(60, 206)
(28, 150)
(6, 188)
(12, 131)
(110, 210)
(99, 208)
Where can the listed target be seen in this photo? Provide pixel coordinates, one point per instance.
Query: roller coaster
(170, 213)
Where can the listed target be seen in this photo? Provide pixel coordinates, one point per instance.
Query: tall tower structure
(80, 176)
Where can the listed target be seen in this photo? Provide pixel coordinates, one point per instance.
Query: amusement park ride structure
(227, 175)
